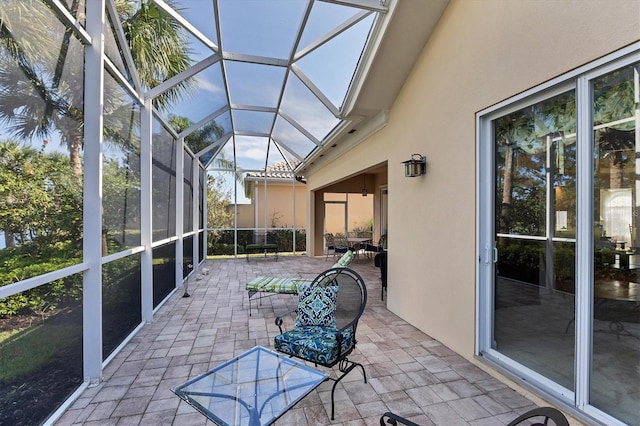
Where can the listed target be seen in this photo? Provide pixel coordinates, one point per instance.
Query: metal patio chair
(531, 417)
(376, 248)
(329, 245)
(326, 321)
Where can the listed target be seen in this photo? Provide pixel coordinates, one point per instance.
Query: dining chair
(370, 248)
(329, 245)
(342, 243)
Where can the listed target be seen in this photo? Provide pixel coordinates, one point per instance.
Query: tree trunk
(507, 192)
(9, 241)
(616, 171)
(75, 145)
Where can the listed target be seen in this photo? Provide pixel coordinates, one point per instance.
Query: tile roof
(279, 170)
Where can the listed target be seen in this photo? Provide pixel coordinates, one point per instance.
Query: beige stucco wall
(482, 52)
(279, 211)
(360, 210)
(246, 217)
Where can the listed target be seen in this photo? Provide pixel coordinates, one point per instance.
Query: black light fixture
(416, 166)
(364, 185)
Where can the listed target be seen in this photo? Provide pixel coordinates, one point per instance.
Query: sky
(266, 29)
(269, 29)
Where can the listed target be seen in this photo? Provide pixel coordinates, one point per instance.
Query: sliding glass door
(559, 206)
(535, 192)
(615, 364)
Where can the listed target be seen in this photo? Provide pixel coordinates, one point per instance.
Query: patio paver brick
(408, 372)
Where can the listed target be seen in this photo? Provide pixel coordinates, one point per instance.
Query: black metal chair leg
(345, 371)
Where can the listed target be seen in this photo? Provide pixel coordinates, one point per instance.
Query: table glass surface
(358, 240)
(255, 388)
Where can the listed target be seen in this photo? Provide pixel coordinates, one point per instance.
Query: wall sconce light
(416, 166)
(364, 185)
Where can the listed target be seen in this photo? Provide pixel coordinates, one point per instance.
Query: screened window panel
(315, 117)
(291, 139)
(201, 249)
(332, 65)
(248, 26)
(163, 185)
(203, 137)
(77, 8)
(120, 170)
(202, 175)
(206, 97)
(121, 301)
(251, 152)
(253, 121)
(35, 354)
(41, 147)
(187, 256)
(113, 50)
(187, 212)
(254, 84)
(164, 272)
(199, 16)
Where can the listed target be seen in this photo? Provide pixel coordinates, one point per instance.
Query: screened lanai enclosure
(127, 129)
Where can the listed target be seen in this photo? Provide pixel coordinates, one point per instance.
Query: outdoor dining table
(607, 295)
(357, 241)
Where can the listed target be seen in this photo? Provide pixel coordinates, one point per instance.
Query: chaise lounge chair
(286, 285)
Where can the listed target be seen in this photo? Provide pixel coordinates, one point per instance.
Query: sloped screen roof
(268, 79)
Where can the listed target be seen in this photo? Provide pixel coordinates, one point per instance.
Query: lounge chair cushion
(275, 285)
(314, 343)
(344, 261)
(317, 305)
(261, 246)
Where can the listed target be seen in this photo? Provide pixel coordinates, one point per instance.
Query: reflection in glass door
(615, 365)
(559, 247)
(535, 219)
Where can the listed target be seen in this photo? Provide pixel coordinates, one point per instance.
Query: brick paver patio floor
(408, 372)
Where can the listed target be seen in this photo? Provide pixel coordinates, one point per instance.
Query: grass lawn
(25, 349)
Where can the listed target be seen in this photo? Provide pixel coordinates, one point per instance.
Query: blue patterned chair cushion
(317, 305)
(313, 343)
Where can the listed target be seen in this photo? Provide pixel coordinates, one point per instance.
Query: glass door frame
(346, 215)
(384, 212)
(488, 255)
(580, 79)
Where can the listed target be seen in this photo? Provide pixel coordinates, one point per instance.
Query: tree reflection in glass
(615, 375)
(535, 222)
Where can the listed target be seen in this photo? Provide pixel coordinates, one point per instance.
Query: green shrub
(21, 263)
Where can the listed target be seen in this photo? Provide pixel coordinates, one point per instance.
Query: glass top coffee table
(254, 388)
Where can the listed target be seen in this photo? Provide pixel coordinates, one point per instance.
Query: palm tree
(158, 45)
(41, 92)
(200, 138)
(34, 98)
